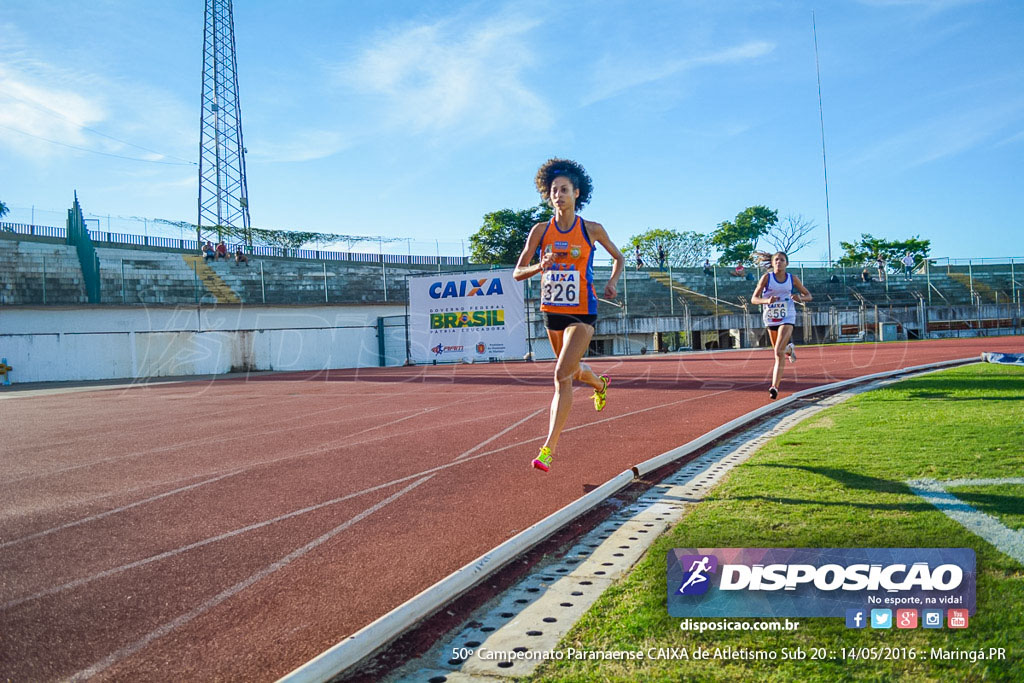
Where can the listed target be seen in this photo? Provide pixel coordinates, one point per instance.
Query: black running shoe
(773, 393)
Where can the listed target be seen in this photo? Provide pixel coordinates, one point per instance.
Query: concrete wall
(88, 343)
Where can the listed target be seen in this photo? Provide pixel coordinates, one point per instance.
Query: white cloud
(1018, 137)
(925, 8)
(45, 108)
(304, 145)
(944, 136)
(445, 77)
(613, 75)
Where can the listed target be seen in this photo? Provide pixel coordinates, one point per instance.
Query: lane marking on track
(195, 443)
(163, 630)
(185, 548)
(250, 435)
(504, 431)
(101, 515)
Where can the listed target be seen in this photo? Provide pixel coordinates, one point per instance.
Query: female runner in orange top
(565, 245)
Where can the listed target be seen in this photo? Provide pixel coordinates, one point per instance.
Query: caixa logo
(695, 580)
(462, 288)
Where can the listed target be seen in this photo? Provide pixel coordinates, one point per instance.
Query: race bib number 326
(560, 288)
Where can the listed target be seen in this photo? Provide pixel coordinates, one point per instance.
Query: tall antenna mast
(223, 195)
(824, 164)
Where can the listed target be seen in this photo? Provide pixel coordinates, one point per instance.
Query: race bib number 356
(777, 310)
(560, 288)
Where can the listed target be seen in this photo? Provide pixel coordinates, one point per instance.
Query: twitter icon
(881, 618)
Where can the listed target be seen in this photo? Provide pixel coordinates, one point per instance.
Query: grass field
(839, 480)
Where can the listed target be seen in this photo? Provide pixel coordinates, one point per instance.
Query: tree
(737, 240)
(869, 248)
(3, 209)
(501, 238)
(682, 249)
(791, 235)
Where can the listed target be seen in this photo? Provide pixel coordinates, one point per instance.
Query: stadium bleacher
(45, 271)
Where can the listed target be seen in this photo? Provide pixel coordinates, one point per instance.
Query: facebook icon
(856, 618)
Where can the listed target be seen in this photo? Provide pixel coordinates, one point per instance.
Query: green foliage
(682, 249)
(868, 249)
(737, 239)
(3, 209)
(501, 238)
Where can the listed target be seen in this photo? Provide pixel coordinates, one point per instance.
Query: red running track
(235, 529)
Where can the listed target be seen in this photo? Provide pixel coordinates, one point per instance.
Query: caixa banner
(457, 317)
(816, 582)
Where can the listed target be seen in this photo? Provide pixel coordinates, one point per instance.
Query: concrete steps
(37, 272)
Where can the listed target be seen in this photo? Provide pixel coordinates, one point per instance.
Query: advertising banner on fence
(476, 316)
(817, 582)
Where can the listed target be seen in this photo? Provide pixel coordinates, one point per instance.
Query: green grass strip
(837, 480)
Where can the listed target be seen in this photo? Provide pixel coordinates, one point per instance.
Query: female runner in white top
(775, 293)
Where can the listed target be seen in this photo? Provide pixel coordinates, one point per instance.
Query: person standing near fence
(775, 293)
(908, 266)
(565, 245)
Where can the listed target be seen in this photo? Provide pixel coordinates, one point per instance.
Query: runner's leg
(779, 343)
(572, 345)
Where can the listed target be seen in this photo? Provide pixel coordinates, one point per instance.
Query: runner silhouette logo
(696, 581)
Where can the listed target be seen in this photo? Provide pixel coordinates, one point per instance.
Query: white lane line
(508, 429)
(101, 515)
(953, 483)
(252, 435)
(195, 443)
(185, 548)
(420, 412)
(1006, 540)
(129, 650)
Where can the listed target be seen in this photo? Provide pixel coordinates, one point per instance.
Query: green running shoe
(601, 397)
(543, 460)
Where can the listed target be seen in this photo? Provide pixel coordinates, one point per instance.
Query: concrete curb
(375, 635)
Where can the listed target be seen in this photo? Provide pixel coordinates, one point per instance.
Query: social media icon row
(905, 618)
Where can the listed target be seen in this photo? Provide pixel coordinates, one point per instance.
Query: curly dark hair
(553, 168)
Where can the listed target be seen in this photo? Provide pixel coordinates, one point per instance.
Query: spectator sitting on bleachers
(739, 271)
(240, 257)
(865, 275)
(222, 250)
(708, 270)
(208, 253)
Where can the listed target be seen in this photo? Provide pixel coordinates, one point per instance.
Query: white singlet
(783, 311)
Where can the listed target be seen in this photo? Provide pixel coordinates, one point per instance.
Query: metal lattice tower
(223, 195)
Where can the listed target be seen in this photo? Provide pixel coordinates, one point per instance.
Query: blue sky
(413, 120)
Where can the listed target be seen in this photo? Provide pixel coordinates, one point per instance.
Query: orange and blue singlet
(568, 286)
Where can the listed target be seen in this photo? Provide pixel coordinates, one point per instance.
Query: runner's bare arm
(804, 295)
(524, 270)
(600, 236)
(756, 297)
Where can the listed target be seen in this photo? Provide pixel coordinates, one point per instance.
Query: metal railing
(191, 245)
